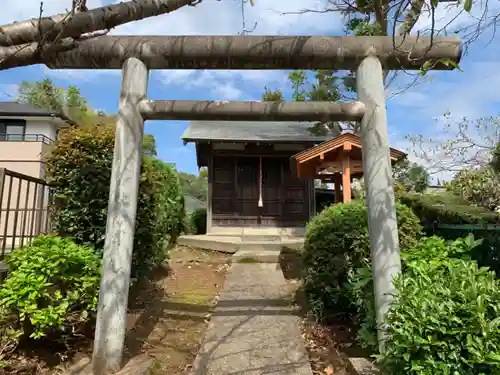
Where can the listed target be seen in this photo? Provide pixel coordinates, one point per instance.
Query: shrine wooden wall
(234, 189)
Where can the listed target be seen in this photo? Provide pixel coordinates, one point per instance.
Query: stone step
(253, 256)
(260, 238)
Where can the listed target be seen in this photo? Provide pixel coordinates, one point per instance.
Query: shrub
(477, 186)
(447, 215)
(79, 169)
(444, 319)
(336, 245)
(53, 285)
(199, 220)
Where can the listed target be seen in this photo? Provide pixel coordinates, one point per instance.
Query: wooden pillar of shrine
(337, 183)
(346, 173)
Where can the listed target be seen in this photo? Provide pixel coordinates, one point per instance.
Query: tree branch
(82, 22)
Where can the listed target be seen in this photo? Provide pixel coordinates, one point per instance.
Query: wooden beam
(346, 178)
(258, 52)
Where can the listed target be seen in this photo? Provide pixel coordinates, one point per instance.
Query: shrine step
(232, 244)
(249, 231)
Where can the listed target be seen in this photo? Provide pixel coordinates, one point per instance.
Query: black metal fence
(24, 209)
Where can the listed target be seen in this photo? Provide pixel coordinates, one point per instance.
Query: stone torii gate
(136, 55)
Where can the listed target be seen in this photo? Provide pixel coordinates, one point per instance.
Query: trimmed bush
(79, 169)
(435, 209)
(52, 286)
(336, 245)
(447, 208)
(444, 319)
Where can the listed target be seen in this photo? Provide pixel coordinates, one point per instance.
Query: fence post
(382, 224)
(120, 226)
(4, 223)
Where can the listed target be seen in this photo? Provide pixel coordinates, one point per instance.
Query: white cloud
(208, 18)
(223, 84)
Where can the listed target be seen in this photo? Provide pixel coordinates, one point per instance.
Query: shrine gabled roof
(336, 143)
(251, 131)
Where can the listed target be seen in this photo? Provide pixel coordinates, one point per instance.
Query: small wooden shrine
(336, 161)
(261, 174)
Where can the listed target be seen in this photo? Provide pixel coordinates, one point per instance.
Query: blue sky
(474, 92)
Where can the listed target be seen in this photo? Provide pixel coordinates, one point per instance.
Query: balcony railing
(26, 138)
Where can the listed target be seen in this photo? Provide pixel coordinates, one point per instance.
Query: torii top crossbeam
(258, 52)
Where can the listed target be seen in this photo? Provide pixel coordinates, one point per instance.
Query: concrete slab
(252, 256)
(254, 329)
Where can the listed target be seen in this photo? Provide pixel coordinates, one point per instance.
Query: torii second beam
(251, 111)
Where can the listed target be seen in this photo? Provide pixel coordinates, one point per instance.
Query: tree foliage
(478, 186)
(412, 176)
(79, 169)
(325, 85)
(195, 185)
(69, 102)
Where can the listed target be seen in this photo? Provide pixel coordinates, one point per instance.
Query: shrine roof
(251, 131)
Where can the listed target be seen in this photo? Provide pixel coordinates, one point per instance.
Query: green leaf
(468, 5)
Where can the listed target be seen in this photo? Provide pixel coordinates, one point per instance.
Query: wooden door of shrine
(260, 190)
(247, 186)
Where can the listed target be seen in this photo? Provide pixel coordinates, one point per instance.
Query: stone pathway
(254, 330)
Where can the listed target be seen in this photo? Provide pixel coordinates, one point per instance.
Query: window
(12, 130)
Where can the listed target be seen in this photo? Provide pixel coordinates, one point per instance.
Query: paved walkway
(254, 330)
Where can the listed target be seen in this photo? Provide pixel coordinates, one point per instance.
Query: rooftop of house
(26, 110)
(251, 131)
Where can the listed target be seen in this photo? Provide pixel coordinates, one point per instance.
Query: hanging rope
(261, 203)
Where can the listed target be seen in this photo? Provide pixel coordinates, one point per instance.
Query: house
(26, 134)
(261, 174)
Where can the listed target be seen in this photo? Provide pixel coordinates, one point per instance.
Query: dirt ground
(328, 346)
(168, 315)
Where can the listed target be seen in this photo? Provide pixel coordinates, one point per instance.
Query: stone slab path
(254, 330)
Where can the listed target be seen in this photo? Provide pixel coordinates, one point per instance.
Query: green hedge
(79, 169)
(438, 208)
(336, 245)
(447, 208)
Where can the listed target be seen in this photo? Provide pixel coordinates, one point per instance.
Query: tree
(412, 176)
(464, 144)
(69, 102)
(196, 186)
(325, 86)
(27, 42)
(363, 17)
